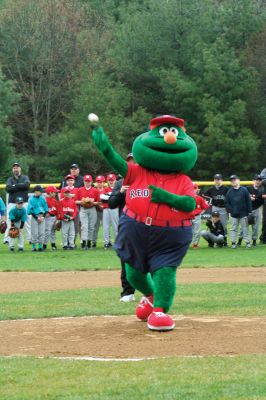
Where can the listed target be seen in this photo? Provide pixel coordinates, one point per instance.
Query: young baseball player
(87, 198)
(110, 217)
(201, 205)
(215, 232)
(18, 217)
(51, 217)
(68, 213)
(100, 180)
(37, 208)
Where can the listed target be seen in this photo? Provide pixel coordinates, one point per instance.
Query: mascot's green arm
(182, 203)
(110, 155)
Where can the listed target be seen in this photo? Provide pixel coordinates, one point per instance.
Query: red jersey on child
(90, 192)
(201, 205)
(69, 207)
(53, 207)
(73, 190)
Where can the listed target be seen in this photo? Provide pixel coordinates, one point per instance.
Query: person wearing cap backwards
(17, 185)
(256, 192)
(18, 217)
(217, 193)
(201, 206)
(68, 213)
(118, 199)
(51, 217)
(87, 198)
(215, 233)
(238, 205)
(37, 208)
(155, 228)
(100, 180)
(78, 179)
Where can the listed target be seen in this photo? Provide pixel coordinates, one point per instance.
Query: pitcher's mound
(125, 337)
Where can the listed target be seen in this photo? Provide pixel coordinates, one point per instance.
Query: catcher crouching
(18, 217)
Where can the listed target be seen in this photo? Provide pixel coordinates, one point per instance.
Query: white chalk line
(109, 359)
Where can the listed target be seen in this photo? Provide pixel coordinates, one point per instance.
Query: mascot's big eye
(163, 130)
(174, 130)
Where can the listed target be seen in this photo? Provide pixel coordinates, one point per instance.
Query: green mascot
(155, 227)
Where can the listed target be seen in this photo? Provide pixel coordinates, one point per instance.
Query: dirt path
(13, 282)
(125, 337)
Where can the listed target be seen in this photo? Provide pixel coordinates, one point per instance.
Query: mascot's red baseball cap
(51, 189)
(111, 177)
(100, 178)
(87, 178)
(166, 119)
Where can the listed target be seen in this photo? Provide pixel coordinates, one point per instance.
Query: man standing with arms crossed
(17, 186)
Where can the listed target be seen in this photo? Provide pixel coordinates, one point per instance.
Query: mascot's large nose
(170, 137)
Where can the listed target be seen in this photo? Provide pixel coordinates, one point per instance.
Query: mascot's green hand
(101, 141)
(182, 203)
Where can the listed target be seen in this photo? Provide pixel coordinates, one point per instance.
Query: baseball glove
(58, 225)
(251, 219)
(13, 232)
(3, 226)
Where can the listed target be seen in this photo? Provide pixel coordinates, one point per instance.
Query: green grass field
(204, 378)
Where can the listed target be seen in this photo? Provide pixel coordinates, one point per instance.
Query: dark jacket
(238, 202)
(18, 187)
(117, 199)
(258, 196)
(217, 195)
(215, 228)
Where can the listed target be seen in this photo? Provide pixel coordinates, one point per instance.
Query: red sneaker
(159, 321)
(144, 308)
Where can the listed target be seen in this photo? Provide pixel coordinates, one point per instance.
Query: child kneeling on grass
(215, 234)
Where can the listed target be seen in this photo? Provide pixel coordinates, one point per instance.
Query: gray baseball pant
(210, 237)
(97, 225)
(37, 231)
(68, 233)
(110, 218)
(223, 217)
(243, 222)
(11, 241)
(88, 219)
(254, 228)
(196, 228)
(49, 233)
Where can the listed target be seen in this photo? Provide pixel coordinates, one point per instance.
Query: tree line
(127, 61)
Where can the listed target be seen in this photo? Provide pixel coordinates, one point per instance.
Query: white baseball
(93, 118)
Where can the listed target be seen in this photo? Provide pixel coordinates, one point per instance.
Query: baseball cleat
(127, 298)
(144, 308)
(159, 321)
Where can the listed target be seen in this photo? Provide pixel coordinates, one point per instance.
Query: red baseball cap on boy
(66, 190)
(69, 177)
(87, 178)
(51, 189)
(100, 178)
(111, 177)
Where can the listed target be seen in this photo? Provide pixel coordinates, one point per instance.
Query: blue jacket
(16, 214)
(238, 202)
(37, 205)
(2, 207)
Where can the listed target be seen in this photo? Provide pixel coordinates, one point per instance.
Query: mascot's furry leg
(159, 291)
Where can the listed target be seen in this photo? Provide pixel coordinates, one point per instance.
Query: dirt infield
(124, 337)
(14, 282)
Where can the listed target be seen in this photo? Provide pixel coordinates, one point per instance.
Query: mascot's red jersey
(138, 197)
